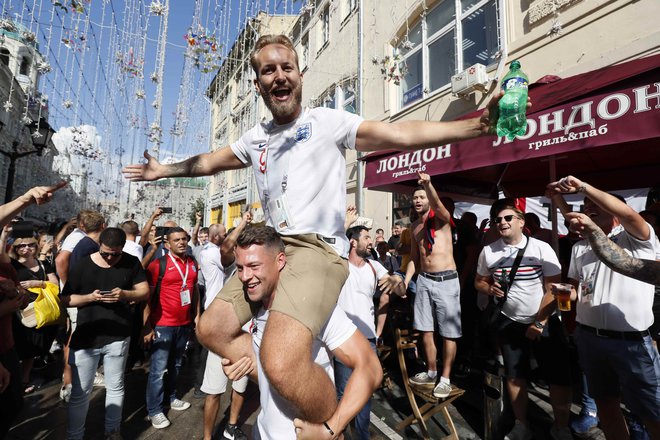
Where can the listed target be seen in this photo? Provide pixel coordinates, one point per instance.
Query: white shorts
(215, 380)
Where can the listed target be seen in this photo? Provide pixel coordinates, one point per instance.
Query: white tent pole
(552, 162)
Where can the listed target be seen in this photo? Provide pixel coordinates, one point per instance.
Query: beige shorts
(308, 288)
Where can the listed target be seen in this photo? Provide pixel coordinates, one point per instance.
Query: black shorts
(551, 351)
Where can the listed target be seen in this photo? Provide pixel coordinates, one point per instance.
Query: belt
(329, 240)
(434, 277)
(614, 334)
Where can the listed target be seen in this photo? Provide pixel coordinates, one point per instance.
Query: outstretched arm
(611, 254)
(355, 353)
(416, 135)
(144, 235)
(38, 195)
(203, 164)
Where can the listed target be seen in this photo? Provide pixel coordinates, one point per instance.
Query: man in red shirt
(168, 320)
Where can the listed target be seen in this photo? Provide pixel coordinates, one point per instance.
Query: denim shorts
(622, 368)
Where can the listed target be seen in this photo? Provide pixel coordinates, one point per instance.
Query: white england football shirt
(304, 163)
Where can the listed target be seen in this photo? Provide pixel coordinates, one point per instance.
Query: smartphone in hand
(105, 292)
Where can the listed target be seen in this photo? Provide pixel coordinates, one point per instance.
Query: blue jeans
(342, 374)
(588, 404)
(83, 369)
(167, 351)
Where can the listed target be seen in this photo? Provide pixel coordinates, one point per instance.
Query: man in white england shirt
(299, 165)
(260, 259)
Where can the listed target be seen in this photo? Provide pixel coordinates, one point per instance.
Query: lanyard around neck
(184, 278)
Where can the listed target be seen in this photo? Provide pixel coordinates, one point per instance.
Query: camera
(166, 210)
(22, 229)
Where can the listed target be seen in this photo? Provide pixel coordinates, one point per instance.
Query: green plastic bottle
(513, 105)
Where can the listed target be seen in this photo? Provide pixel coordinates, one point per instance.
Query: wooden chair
(406, 339)
(384, 352)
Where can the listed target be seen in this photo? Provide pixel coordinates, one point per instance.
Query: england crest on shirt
(304, 132)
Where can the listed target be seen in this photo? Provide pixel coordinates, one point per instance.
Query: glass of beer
(562, 292)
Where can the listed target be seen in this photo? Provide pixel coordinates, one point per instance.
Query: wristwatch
(539, 325)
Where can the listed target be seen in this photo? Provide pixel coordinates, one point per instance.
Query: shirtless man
(438, 288)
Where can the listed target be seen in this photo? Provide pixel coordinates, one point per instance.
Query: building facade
(394, 61)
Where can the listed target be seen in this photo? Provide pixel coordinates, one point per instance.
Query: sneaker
(233, 432)
(583, 423)
(442, 390)
(422, 379)
(99, 379)
(159, 421)
(520, 431)
(561, 433)
(65, 393)
(179, 405)
(199, 394)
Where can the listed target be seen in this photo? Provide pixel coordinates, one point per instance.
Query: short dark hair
(174, 230)
(417, 188)
(130, 227)
(400, 223)
(203, 230)
(113, 237)
(260, 235)
(354, 232)
(381, 230)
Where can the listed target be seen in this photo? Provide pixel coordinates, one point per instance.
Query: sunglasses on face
(507, 218)
(22, 245)
(109, 254)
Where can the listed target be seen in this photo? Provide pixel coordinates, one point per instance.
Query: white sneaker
(159, 421)
(99, 379)
(442, 390)
(179, 405)
(519, 432)
(422, 379)
(561, 433)
(65, 393)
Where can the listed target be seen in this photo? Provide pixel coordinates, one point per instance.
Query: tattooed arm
(203, 164)
(612, 255)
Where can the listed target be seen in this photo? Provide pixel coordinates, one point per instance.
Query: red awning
(603, 126)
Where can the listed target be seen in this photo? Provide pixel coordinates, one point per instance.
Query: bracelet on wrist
(582, 188)
(332, 433)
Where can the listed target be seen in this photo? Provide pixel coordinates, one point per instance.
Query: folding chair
(406, 339)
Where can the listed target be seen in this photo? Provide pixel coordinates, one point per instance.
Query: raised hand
(247, 217)
(566, 185)
(41, 194)
(151, 170)
(580, 223)
(424, 179)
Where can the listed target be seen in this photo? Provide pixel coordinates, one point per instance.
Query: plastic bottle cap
(515, 64)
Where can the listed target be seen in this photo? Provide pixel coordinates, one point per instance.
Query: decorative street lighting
(41, 134)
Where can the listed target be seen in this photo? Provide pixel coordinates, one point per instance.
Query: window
(4, 56)
(25, 66)
(304, 61)
(343, 96)
(347, 6)
(325, 28)
(444, 43)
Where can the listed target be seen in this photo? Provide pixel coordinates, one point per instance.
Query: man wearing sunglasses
(101, 286)
(525, 313)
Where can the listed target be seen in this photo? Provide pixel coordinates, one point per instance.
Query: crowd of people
(299, 305)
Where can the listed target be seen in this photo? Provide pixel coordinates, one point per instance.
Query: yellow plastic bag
(47, 304)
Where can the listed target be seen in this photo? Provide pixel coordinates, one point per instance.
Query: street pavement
(44, 416)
